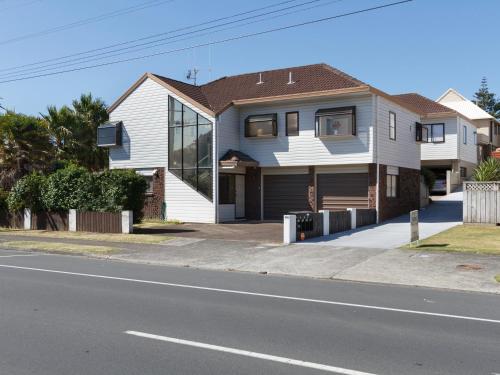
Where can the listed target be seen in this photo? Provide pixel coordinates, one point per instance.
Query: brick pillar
(372, 185)
(252, 193)
(154, 201)
(311, 190)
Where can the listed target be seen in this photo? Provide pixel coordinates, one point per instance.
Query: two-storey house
(257, 146)
(488, 128)
(451, 147)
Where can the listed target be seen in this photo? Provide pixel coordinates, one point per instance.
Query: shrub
(488, 170)
(429, 177)
(27, 193)
(71, 187)
(122, 190)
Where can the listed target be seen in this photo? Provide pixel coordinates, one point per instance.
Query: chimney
(290, 80)
(260, 79)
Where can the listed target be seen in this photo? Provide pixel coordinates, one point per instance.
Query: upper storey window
(190, 147)
(335, 122)
(261, 126)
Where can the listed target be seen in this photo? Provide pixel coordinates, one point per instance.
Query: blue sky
(424, 46)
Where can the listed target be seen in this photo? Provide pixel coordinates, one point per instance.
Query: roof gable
(456, 101)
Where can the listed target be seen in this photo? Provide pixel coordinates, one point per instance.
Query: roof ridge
(266, 71)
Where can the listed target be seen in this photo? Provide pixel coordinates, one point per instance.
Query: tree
(90, 112)
(25, 147)
(487, 100)
(61, 125)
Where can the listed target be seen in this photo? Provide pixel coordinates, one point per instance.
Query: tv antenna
(192, 74)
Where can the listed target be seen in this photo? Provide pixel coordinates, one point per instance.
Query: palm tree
(60, 125)
(90, 112)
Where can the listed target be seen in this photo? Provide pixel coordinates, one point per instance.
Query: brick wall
(408, 194)
(154, 202)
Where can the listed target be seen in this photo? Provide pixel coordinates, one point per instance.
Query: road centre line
(246, 353)
(256, 294)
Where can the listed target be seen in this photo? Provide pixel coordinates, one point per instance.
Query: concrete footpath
(395, 266)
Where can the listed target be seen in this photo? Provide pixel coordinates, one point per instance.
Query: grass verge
(497, 278)
(58, 247)
(108, 237)
(476, 239)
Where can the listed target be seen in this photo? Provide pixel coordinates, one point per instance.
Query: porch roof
(234, 158)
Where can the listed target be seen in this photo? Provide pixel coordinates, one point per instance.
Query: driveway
(445, 212)
(250, 231)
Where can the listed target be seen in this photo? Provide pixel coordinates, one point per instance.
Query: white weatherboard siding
(306, 149)
(145, 137)
(442, 151)
(228, 131)
(404, 151)
(468, 152)
(145, 121)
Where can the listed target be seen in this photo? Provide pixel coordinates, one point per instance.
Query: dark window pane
(106, 135)
(175, 148)
(204, 146)
(261, 126)
(205, 182)
(227, 191)
(189, 177)
(292, 123)
(175, 112)
(189, 160)
(189, 116)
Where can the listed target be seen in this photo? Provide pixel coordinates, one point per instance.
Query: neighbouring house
(451, 150)
(488, 128)
(257, 146)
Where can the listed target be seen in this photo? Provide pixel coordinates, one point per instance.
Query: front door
(240, 196)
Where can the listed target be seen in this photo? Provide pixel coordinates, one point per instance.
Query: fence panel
(481, 202)
(51, 221)
(11, 220)
(309, 225)
(366, 216)
(340, 221)
(100, 222)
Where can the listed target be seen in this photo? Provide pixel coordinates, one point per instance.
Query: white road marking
(246, 353)
(18, 255)
(275, 296)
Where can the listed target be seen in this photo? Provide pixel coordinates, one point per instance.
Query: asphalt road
(71, 315)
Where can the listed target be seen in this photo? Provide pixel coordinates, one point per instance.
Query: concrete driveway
(445, 212)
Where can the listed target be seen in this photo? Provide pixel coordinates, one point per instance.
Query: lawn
(464, 238)
(108, 237)
(58, 247)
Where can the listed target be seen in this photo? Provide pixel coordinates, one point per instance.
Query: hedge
(76, 188)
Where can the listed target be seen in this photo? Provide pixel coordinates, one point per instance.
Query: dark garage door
(342, 190)
(285, 193)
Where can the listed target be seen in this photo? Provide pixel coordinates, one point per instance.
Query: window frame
(392, 115)
(182, 172)
(117, 126)
(274, 122)
(474, 136)
(392, 188)
(230, 189)
(286, 124)
(463, 172)
(325, 111)
(464, 134)
(431, 135)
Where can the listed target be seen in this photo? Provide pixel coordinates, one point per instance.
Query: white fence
(482, 202)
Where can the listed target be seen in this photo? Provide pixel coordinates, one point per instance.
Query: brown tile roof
(422, 104)
(219, 94)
